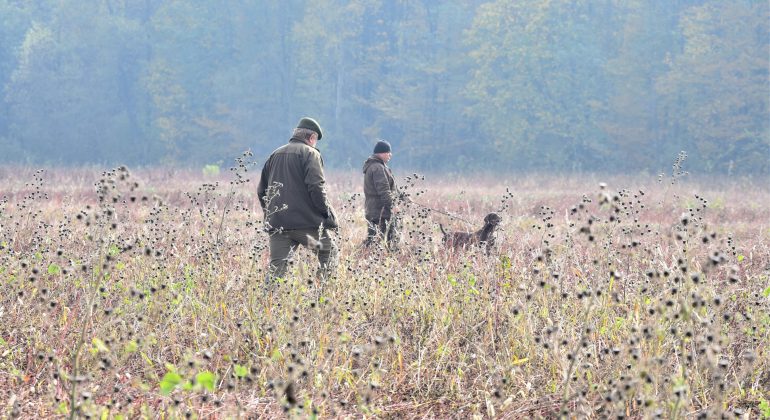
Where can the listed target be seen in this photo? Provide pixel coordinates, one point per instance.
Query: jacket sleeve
(382, 186)
(396, 193)
(262, 187)
(316, 184)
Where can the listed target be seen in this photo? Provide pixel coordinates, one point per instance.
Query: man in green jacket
(292, 193)
(380, 193)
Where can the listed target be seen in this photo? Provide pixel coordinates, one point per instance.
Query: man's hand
(330, 220)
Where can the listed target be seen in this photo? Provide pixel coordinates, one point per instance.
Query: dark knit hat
(312, 125)
(382, 147)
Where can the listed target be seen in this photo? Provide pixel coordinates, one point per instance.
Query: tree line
(567, 85)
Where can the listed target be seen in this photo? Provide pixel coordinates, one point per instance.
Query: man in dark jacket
(292, 193)
(380, 193)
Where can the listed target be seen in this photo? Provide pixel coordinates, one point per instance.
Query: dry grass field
(139, 294)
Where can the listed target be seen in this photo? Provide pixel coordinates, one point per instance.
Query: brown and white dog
(484, 236)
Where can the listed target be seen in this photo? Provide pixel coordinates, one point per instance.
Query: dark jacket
(298, 167)
(379, 189)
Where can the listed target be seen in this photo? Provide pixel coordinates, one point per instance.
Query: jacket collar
(296, 140)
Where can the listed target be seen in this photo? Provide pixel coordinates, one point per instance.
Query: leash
(439, 211)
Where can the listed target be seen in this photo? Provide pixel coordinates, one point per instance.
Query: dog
(482, 237)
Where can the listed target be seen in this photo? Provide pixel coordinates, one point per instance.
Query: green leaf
(505, 262)
(207, 380)
(764, 409)
(147, 359)
(100, 346)
(169, 382)
(766, 293)
(740, 258)
(619, 321)
(241, 371)
(114, 250)
(131, 346)
(452, 280)
(54, 269)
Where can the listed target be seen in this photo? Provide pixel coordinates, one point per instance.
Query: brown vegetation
(143, 297)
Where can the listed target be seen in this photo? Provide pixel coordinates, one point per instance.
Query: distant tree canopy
(604, 85)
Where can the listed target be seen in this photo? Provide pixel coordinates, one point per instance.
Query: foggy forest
(595, 86)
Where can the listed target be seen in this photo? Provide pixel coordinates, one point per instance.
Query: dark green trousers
(283, 245)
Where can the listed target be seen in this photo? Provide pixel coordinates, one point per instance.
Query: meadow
(139, 294)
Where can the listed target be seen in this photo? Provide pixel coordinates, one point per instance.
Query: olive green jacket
(379, 189)
(293, 177)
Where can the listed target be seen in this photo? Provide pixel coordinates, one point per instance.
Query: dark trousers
(283, 244)
(383, 229)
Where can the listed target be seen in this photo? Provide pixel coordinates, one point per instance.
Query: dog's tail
(443, 232)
